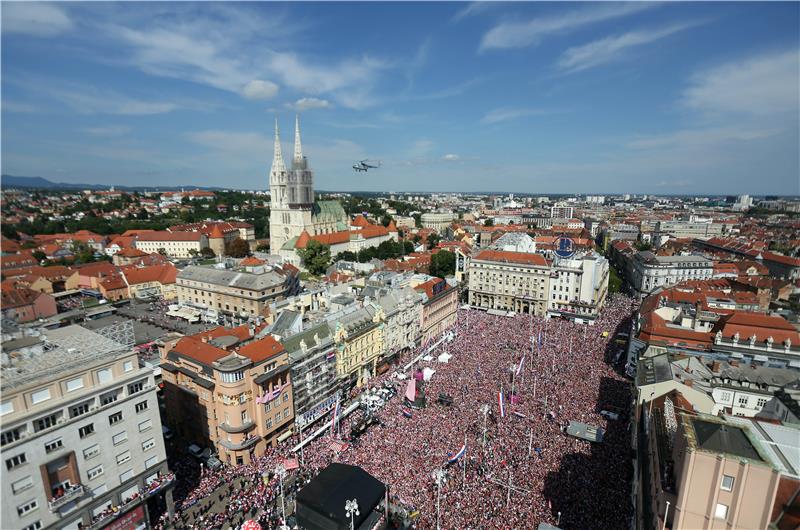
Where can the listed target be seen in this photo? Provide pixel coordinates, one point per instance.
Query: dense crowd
(528, 470)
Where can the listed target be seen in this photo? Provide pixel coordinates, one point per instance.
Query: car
(195, 450)
(167, 432)
(610, 415)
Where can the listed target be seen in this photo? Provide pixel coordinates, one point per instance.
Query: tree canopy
(316, 257)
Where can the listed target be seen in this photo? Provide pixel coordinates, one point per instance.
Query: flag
(407, 413)
(517, 413)
(458, 455)
(335, 413)
(411, 390)
(290, 463)
(331, 355)
(521, 363)
(338, 446)
(500, 399)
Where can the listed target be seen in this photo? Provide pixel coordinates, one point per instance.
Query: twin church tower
(292, 205)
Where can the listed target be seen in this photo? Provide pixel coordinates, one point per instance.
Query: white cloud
(506, 114)
(522, 34)
(304, 104)
(697, 138)
(759, 86)
(35, 18)
(611, 48)
(473, 8)
(109, 130)
(258, 89)
(450, 157)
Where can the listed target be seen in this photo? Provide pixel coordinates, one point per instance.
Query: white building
(174, 244)
(578, 287)
(560, 211)
(438, 221)
(81, 433)
(650, 271)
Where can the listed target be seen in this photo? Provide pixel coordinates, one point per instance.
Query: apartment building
(312, 354)
(666, 230)
(510, 281)
(439, 308)
(230, 390)
(358, 333)
(242, 291)
(438, 221)
(649, 271)
(404, 313)
(578, 287)
(707, 473)
(561, 211)
(81, 435)
(174, 244)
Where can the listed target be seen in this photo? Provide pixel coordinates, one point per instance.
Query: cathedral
(293, 209)
(296, 218)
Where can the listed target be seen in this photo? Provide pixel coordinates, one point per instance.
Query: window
(78, 410)
(269, 423)
(278, 417)
(115, 418)
(11, 435)
(742, 401)
(74, 384)
(145, 425)
(45, 423)
(104, 376)
(95, 472)
(232, 377)
(148, 444)
(86, 430)
(150, 462)
(123, 457)
(285, 413)
(53, 445)
(727, 483)
(91, 452)
(28, 507)
(7, 408)
(99, 490)
(126, 475)
(22, 484)
(135, 387)
(34, 526)
(285, 397)
(40, 396)
(16, 461)
(721, 512)
(109, 398)
(761, 402)
(142, 405)
(120, 437)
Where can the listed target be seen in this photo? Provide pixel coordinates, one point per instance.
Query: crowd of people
(519, 467)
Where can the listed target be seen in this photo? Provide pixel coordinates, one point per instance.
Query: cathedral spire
(277, 159)
(298, 148)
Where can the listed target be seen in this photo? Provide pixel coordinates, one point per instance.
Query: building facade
(439, 308)
(358, 336)
(174, 244)
(578, 287)
(239, 292)
(438, 221)
(229, 390)
(650, 272)
(81, 434)
(510, 281)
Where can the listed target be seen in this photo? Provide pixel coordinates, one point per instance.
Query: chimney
(734, 362)
(689, 383)
(715, 366)
(205, 338)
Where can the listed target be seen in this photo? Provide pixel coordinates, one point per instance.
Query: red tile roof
(262, 349)
(164, 274)
(503, 256)
(163, 235)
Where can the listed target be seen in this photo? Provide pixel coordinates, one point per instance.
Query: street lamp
(281, 472)
(351, 509)
(439, 477)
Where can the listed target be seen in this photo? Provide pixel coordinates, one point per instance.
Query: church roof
(329, 210)
(391, 227)
(360, 221)
(303, 240)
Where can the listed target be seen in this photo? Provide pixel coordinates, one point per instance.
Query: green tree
(347, 255)
(408, 247)
(433, 240)
(39, 255)
(443, 263)
(386, 220)
(82, 251)
(614, 281)
(263, 247)
(238, 248)
(207, 253)
(643, 245)
(163, 251)
(316, 257)
(488, 222)
(366, 254)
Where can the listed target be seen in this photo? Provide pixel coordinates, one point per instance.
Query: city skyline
(545, 98)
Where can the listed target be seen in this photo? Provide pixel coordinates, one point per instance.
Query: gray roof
(65, 349)
(724, 438)
(286, 320)
(322, 332)
(229, 278)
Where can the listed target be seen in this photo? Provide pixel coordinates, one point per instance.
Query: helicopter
(364, 165)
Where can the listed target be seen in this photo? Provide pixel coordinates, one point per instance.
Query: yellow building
(358, 336)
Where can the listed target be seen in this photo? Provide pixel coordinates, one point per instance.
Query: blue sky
(524, 97)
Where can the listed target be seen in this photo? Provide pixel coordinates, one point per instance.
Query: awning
(737, 355)
(761, 358)
(794, 364)
(285, 435)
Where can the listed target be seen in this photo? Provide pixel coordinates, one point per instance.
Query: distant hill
(12, 181)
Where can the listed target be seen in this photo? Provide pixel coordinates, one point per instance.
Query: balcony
(249, 441)
(75, 491)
